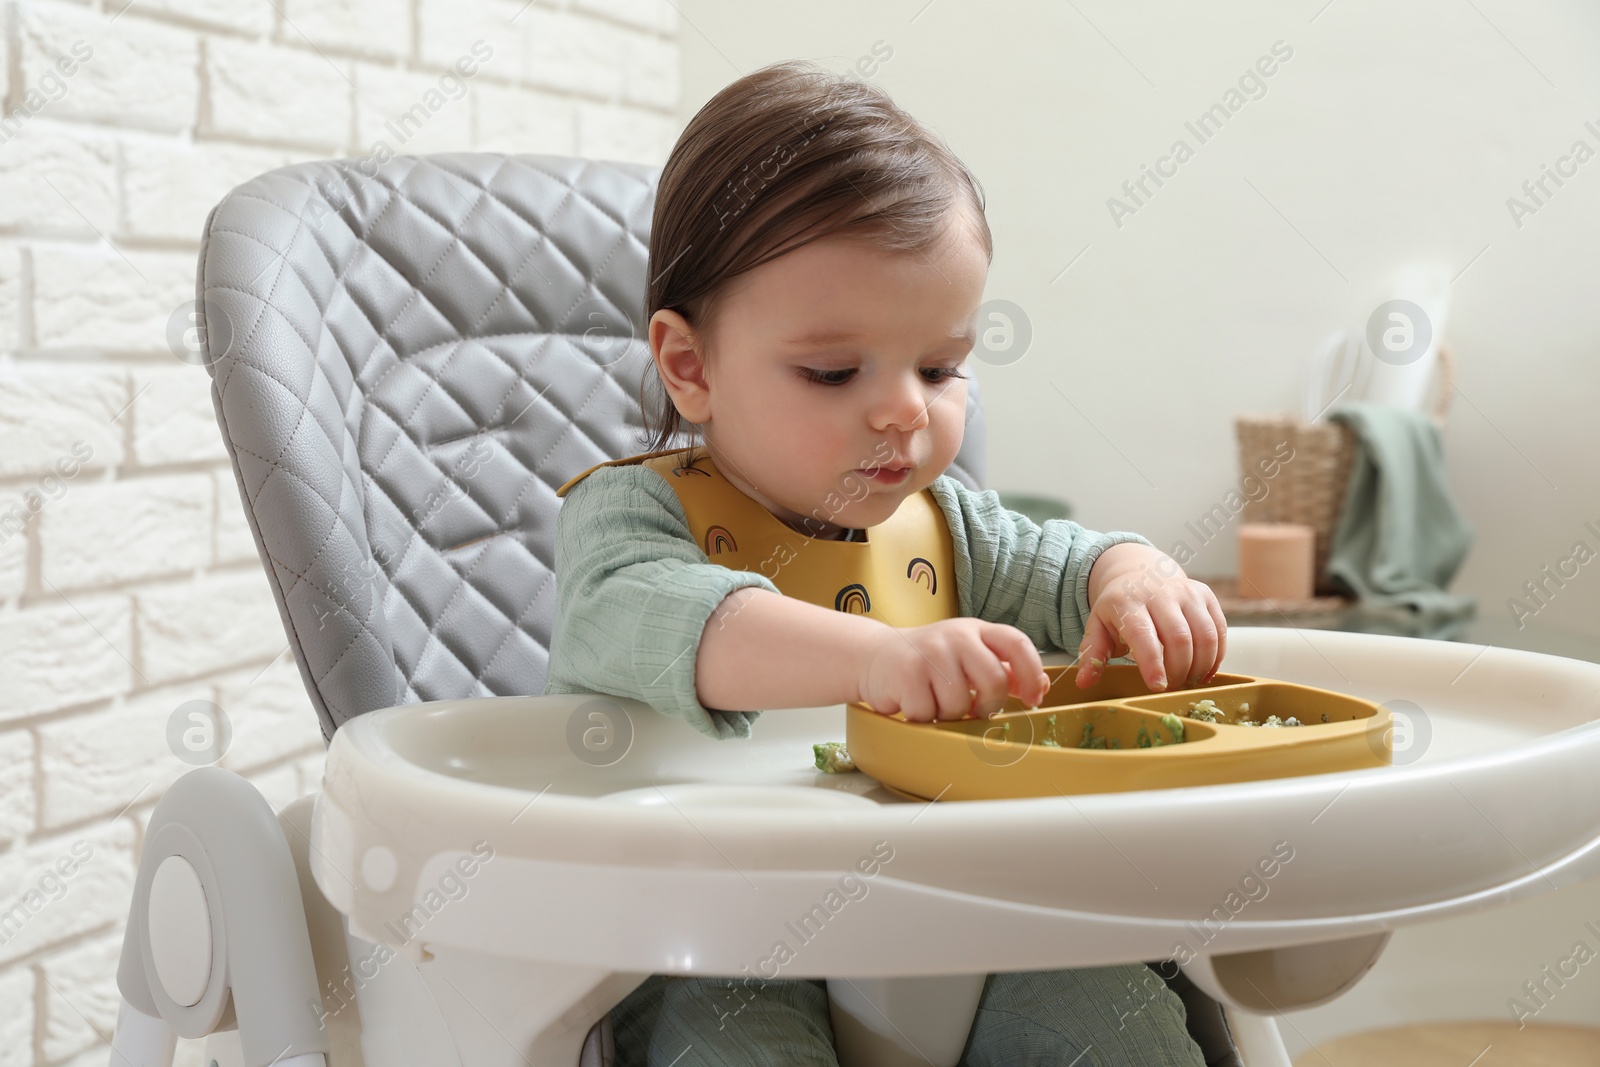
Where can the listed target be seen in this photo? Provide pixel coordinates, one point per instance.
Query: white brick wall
(129, 582)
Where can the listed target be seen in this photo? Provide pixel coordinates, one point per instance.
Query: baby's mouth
(885, 475)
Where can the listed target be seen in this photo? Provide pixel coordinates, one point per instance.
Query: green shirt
(634, 590)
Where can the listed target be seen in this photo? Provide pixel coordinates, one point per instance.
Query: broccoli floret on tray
(1207, 711)
(1271, 720)
(833, 758)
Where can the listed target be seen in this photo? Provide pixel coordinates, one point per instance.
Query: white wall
(1394, 132)
(134, 586)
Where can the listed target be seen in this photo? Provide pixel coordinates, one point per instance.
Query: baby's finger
(1220, 621)
(1177, 639)
(1144, 645)
(1094, 650)
(1016, 648)
(1203, 630)
(917, 701)
(952, 692)
(990, 679)
(1016, 687)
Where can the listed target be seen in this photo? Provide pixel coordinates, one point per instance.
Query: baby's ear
(678, 361)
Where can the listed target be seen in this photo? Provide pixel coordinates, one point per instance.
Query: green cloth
(1118, 1016)
(634, 590)
(1400, 537)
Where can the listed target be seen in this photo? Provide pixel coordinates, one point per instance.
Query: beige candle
(1275, 561)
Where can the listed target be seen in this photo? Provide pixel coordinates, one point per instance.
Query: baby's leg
(724, 1022)
(1120, 1016)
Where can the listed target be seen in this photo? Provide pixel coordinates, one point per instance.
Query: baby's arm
(634, 592)
(1101, 595)
(765, 650)
(641, 613)
(774, 651)
(1010, 569)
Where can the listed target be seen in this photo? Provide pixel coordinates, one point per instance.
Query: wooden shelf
(1236, 606)
(1459, 1044)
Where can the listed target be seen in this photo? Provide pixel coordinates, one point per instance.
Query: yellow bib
(903, 574)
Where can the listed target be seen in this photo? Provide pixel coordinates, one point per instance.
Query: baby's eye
(932, 375)
(826, 377)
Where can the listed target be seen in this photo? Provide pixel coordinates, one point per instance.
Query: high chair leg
(504, 1012)
(1257, 1038)
(142, 1040)
(216, 935)
(873, 1019)
(600, 1047)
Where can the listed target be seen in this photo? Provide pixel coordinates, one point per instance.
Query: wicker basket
(1310, 487)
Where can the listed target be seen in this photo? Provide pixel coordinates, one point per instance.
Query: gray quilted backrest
(406, 363)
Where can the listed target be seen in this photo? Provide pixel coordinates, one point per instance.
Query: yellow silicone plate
(1010, 755)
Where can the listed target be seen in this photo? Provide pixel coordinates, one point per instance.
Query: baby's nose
(903, 406)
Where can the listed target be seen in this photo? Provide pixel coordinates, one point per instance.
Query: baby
(817, 259)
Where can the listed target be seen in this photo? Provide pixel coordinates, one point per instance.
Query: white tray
(719, 849)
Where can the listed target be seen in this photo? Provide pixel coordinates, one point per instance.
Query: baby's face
(883, 332)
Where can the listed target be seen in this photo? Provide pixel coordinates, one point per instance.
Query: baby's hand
(1143, 605)
(951, 669)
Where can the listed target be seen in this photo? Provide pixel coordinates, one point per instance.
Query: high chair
(406, 362)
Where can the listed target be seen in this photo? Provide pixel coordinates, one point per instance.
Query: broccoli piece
(1089, 740)
(833, 758)
(1271, 720)
(1174, 725)
(1207, 711)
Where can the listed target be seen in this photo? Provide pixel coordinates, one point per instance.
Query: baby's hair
(789, 154)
